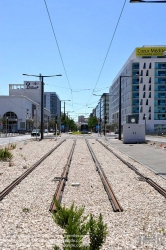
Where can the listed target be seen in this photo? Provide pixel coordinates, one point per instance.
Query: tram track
(157, 187)
(114, 202)
(62, 180)
(11, 186)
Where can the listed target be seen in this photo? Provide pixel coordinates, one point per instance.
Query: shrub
(76, 227)
(5, 155)
(71, 220)
(97, 232)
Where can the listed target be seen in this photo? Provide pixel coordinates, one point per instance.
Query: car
(117, 131)
(35, 132)
(46, 131)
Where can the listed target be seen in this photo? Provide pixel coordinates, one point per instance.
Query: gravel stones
(26, 222)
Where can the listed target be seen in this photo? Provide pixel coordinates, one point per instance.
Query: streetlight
(105, 117)
(100, 113)
(68, 120)
(141, 1)
(64, 105)
(42, 94)
(64, 112)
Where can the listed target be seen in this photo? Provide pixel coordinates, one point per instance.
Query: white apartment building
(143, 89)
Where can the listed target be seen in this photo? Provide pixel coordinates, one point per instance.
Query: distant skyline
(86, 41)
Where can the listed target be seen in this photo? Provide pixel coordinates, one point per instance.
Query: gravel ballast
(26, 222)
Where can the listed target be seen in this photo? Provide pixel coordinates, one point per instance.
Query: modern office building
(52, 103)
(102, 109)
(81, 118)
(143, 89)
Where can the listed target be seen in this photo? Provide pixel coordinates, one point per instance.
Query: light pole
(142, 1)
(64, 109)
(68, 116)
(105, 116)
(42, 95)
(100, 113)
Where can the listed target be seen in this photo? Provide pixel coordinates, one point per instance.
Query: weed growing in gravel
(5, 155)
(11, 146)
(25, 210)
(76, 226)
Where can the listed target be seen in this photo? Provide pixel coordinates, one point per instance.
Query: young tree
(92, 122)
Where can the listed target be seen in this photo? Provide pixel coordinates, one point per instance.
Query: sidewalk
(147, 154)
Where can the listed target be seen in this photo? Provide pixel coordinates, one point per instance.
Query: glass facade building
(52, 103)
(143, 90)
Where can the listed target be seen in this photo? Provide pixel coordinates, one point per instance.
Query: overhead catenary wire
(108, 50)
(58, 49)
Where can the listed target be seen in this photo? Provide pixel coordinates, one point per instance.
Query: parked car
(117, 131)
(35, 132)
(46, 131)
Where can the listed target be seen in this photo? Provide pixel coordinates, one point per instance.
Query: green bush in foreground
(76, 226)
(5, 155)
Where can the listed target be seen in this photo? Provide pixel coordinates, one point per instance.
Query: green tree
(92, 122)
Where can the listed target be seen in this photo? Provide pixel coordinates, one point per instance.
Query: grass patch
(76, 133)
(5, 155)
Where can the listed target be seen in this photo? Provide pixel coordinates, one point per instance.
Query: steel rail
(9, 188)
(114, 202)
(161, 190)
(63, 179)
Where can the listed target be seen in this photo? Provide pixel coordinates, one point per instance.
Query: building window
(22, 125)
(144, 95)
(160, 65)
(149, 116)
(141, 109)
(141, 102)
(149, 79)
(147, 72)
(146, 101)
(149, 94)
(141, 72)
(150, 87)
(141, 80)
(144, 88)
(150, 109)
(150, 65)
(135, 66)
(144, 67)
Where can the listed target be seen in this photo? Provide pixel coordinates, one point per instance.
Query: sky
(87, 42)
